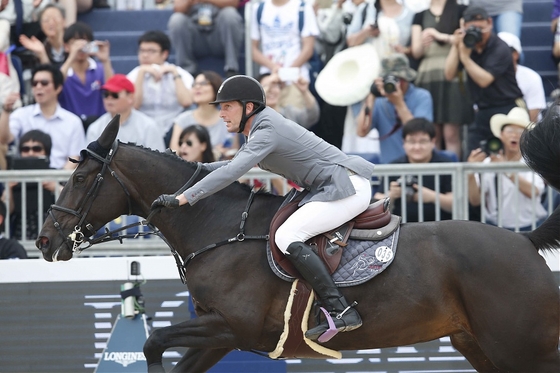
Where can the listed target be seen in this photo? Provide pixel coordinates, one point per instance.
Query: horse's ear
(110, 132)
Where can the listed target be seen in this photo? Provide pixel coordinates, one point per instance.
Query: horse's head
(81, 208)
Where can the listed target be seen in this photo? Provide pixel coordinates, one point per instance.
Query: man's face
(118, 102)
(485, 27)
(418, 147)
(150, 53)
(231, 112)
(43, 88)
(32, 148)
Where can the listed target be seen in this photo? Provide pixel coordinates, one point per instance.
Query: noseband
(77, 237)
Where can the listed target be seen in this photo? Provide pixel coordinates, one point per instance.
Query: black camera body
(492, 145)
(390, 83)
(347, 18)
(409, 181)
(473, 35)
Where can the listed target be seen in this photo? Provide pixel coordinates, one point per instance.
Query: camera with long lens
(407, 183)
(493, 145)
(389, 85)
(473, 35)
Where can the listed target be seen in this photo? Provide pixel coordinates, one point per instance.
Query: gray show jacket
(283, 147)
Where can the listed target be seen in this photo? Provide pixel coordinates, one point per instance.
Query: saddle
(329, 245)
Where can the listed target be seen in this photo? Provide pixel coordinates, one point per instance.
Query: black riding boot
(314, 271)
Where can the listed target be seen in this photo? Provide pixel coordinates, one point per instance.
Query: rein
(240, 237)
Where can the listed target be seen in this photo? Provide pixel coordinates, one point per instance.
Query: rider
(338, 185)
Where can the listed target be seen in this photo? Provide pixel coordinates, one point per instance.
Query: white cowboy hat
(348, 76)
(517, 116)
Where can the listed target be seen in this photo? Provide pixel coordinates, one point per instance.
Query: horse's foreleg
(470, 349)
(200, 360)
(209, 331)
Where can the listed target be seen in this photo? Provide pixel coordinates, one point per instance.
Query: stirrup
(333, 330)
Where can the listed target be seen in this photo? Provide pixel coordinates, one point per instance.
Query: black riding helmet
(244, 89)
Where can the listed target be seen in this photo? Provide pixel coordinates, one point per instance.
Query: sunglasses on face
(43, 82)
(107, 94)
(187, 142)
(35, 148)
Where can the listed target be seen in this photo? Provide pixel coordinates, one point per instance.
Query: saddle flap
(279, 219)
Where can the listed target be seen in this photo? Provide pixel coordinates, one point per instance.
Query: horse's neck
(149, 174)
(210, 220)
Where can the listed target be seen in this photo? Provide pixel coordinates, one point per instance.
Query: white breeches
(317, 217)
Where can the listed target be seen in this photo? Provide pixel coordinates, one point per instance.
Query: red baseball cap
(117, 83)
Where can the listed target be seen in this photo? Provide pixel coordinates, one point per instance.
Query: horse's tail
(547, 235)
(540, 146)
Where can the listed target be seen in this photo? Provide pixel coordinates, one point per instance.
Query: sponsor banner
(124, 348)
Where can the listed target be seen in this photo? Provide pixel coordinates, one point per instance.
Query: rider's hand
(166, 200)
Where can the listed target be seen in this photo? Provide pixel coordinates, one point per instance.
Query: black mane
(170, 155)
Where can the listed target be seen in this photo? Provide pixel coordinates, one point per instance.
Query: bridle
(77, 237)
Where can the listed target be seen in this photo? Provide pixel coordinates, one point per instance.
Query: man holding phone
(84, 75)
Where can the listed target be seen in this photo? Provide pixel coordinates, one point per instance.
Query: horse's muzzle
(43, 243)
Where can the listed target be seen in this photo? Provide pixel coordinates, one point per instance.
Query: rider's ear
(110, 132)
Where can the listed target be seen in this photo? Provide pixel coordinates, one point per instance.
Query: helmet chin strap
(245, 117)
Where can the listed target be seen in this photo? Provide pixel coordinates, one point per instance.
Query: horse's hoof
(156, 368)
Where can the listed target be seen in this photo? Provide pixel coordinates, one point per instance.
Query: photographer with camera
(393, 100)
(516, 202)
(419, 135)
(489, 66)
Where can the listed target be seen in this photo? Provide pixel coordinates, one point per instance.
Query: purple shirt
(556, 9)
(84, 99)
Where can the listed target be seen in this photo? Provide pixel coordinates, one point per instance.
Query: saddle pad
(361, 261)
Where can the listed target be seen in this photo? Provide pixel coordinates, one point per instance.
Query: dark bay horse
(485, 287)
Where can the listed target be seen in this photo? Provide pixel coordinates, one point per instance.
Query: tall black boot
(314, 271)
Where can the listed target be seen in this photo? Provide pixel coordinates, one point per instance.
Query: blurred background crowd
(396, 81)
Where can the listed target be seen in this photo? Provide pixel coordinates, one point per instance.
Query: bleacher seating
(537, 39)
(122, 29)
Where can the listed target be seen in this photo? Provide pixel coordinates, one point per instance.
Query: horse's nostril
(42, 243)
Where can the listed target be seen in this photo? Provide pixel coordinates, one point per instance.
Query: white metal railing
(154, 246)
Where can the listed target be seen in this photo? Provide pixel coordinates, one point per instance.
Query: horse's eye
(78, 179)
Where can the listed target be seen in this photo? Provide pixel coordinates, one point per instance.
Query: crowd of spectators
(443, 65)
